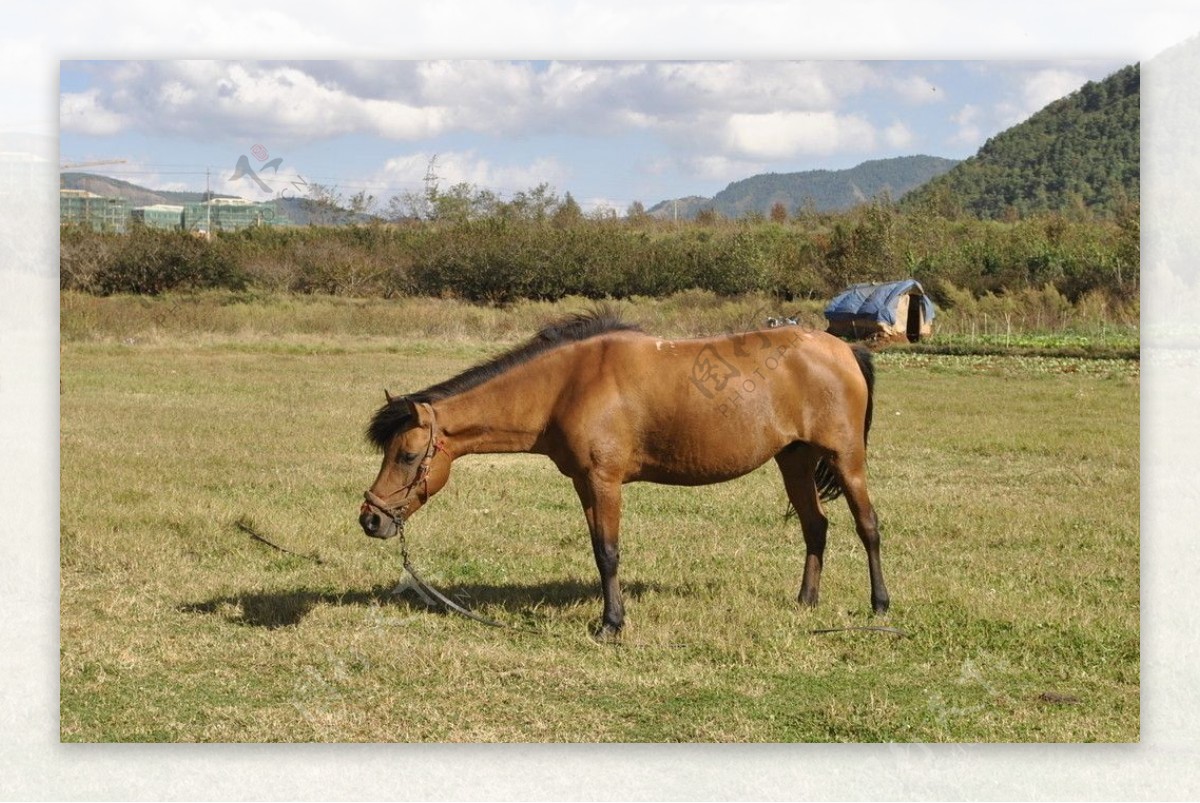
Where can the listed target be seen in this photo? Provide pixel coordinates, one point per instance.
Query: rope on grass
(895, 631)
(247, 526)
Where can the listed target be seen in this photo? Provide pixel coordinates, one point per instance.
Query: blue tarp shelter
(891, 309)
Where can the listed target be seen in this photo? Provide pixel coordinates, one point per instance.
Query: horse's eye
(408, 457)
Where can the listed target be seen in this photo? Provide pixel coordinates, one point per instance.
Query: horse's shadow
(276, 609)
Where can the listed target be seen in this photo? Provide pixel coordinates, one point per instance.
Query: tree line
(541, 246)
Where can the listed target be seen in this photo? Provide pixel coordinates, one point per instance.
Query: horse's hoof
(808, 600)
(608, 634)
(880, 606)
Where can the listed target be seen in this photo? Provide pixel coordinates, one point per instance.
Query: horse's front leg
(602, 507)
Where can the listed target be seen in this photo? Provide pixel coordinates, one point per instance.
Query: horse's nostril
(369, 522)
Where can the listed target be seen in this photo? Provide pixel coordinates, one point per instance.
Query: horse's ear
(412, 407)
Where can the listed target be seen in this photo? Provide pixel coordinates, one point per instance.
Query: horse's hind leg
(851, 468)
(797, 464)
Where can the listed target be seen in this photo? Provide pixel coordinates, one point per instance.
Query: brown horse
(610, 405)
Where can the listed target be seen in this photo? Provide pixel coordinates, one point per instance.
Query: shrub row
(500, 260)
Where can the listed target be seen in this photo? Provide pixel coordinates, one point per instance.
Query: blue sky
(608, 132)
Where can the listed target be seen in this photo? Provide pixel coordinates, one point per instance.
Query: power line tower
(431, 187)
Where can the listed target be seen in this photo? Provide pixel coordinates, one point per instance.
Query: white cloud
(408, 172)
(294, 100)
(1046, 86)
(567, 84)
(408, 169)
(968, 120)
(1034, 92)
(967, 115)
(476, 95)
(755, 87)
(176, 94)
(238, 99)
(720, 168)
(917, 89)
(85, 113)
(898, 135)
(603, 206)
(779, 135)
(411, 100)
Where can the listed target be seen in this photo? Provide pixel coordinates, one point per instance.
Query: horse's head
(415, 465)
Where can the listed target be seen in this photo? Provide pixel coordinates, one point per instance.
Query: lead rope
(895, 631)
(425, 588)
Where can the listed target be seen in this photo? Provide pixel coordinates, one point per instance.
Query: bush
(151, 262)
(502, 258)
(82, 256)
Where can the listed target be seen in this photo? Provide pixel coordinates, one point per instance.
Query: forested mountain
(1081, 150)
(819, 190)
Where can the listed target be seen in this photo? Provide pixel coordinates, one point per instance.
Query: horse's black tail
(867, 366)
(828, 486)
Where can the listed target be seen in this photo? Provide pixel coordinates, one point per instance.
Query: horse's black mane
(393, 416)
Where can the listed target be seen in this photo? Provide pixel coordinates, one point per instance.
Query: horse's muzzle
(377, 525)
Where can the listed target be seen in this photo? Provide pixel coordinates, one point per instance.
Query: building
(107, 214)
(229, 214)
(159, 216)
(97, 212)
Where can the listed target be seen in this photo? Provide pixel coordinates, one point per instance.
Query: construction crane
(72, 165)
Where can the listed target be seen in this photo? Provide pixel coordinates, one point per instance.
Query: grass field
(1007, 490)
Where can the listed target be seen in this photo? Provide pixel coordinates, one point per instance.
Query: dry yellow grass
(1007, 490)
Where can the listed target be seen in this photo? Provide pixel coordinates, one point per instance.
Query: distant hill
(1083, 148)
(823, 190)
(137, 196)
(681, 208)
